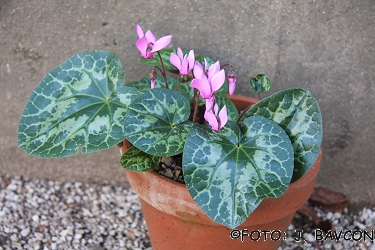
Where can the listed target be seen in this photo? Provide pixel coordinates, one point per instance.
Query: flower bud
(231, 81)
(153, 75)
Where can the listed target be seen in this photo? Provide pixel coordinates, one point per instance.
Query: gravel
(37, 214)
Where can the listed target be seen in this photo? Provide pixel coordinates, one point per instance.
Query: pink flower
(147, 43)
(231, 81)
(208, 84)
(216, 119)
(185, 64)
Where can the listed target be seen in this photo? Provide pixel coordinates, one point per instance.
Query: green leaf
(260, 83)
(79, 104)
(221, 99)
(157, 122)
(144, 84)
(230, 172)
(299, 114)
(138, 161)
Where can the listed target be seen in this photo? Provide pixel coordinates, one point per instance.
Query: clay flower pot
(175, 221)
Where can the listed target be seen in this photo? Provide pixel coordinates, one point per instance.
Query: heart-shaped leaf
(138, 161)
(79, 104)
(157, 122)
(299, 114)
(260, 83)
(229, 172)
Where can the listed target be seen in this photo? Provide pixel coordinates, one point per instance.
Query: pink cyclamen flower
(147, 43)
(208, 84)
(184, 63)
(216, 119)
(231, 81)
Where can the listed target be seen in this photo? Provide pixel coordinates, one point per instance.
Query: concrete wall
(325, 46)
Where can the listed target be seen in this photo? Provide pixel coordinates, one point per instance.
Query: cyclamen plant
(231, 160)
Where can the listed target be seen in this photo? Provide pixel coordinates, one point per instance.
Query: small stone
(35, 218)
(360, 225)
(65, 232)
(12, 187)
(329, 215)
(337, 215)
(77, 236)
(309, 237)
(14, 238)
(77, 199)
(25, 232)
(38, 236)
(130, 234)
(69, 200)
(86, 212)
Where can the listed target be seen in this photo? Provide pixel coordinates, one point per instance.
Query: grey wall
(325, 46)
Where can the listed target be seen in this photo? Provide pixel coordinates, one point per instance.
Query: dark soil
(171, 167)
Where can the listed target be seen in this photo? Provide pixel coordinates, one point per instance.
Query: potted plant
(229, 152)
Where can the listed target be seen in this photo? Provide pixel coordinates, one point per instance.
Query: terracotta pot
(175, 221)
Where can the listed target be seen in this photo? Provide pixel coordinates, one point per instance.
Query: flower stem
(163, 73)
(227, 64)
(242, 113)
(196, 100)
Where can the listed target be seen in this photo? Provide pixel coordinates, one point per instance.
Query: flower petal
(153, 84)
(223, 116)
(142, 45)
(231, 85)
(206, 66)
(150, 37)
(184, 66)
(210, 103)
(161, 43)
(191, 59)
(213, 69)
(180, 54)
(139, 31)
(212, 120)
(175, 60)
(203, 86)
(198, 70)
(217, 80)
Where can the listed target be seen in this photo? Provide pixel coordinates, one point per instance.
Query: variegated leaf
(260, 83)
(228, 173)
(138, 161)
(299, 114)
(157, 122)
(79, 104)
